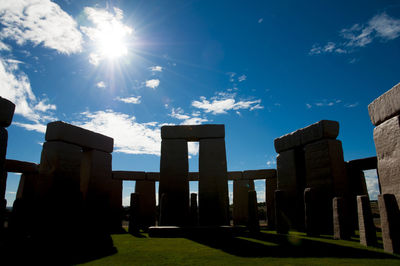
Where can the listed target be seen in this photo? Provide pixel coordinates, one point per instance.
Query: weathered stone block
(387, 143)
(7, 109)
(194, 216)
(153, 176)
(341, 229)
(235, 175)
(116, 205)
(21, 167)
(282, 221)
(134, 214)
(60, 131)
(147, 206)
(241, 190)
(390, 221)
(270, 187)
(311, 211)
(193, 132)
(174, 181)
(366, 225)
(259, 174)
(253, 223)
(3, 152)
(385, 106)
(129, 175)
(193, 176)
(324, 129)
(213, 183)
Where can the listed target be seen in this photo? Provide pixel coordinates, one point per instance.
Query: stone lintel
(259, 174)
(60, 131)
(385, 106)
(235, 175)
(128, 175)
(193, 132)
(153, 176)
(320, 130)
(364, 163)
(7, 109)
(193, 176)
(15, 166)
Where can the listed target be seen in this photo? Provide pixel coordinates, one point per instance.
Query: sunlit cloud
(156, 68)
(260, 20)
(193, 119)
(132, 99)
(371, 179)
(242, 78)
(101, 84)
(152, 83)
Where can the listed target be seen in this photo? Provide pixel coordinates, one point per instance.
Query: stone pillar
(213, 183)
(281, 220)
(116, 205)
(241, 189)
(133, 214)
(366, 225)
(312, 212)
(3, 174)
(147, 207)
(174, 182)
(270, 187)
(253, 222)
(341, 225)
(390, 221)
(194, 217)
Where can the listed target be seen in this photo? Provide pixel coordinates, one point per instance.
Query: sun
(111, 42)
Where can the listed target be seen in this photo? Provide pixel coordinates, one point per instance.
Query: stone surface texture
(366, 225)
(253, 223)
(270, 187)
(147, 206)
(129, 175)
(390, 221)
(340, 219)
(193, 132)
(7, 109)
(241, 189)
(385, 106)
(259, 174)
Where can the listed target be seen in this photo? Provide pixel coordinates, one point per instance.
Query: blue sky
(262, 68)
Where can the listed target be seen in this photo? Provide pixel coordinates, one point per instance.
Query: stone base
(195, 231)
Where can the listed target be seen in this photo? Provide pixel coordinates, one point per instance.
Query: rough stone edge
(384, 102)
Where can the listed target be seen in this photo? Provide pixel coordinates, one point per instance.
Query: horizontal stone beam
(128, 175)
(320, 130)
(385, 106)
(7, 109)
(153, 176)
(364, 163)
(15, 166)
(259, 174)
(60, 131)
(194, 132)
(193, 176)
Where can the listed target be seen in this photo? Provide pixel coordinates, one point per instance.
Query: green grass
(265, 248)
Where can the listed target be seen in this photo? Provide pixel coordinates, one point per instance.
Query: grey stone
(366, 225)
(282, 221)
(340, 219)
(129, 175)
(387, 143)
(147, 205)
(385, 106)
(134, 214)
(259, 174)
(312, 215)
(241, 190)
(174, 181)
(15, 166)
(193, 132)
(60, 131)
(390, 221)
(364, 163)
(213, 183)
(253, 222)
(324, 129)
(194, 214)
(7, 109)
(270, 187)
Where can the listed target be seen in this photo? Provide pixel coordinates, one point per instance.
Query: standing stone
(3, 152)
(194, 217)
(7, 109)
(241, 190)
(390, 221)
(270, 187)
(385, 106)
(281, 220)
(116, 205)
(253, 222)
(147, 207)
(387, 143)
(312, 212)
(174, 182)
(134, 214)
(366, 225)
(340, 219)
(213, 183)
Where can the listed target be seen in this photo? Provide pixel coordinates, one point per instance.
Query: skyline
(125, 68)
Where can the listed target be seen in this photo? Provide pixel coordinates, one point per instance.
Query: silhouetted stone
(253, 223)
(134, 214)
(193, 132)
(147, 206)
(366, 225)
(387, 143)
(259, 174)
(282, 221)
(60, 131)
(390, 221)
(15, 166)
(152, 176)
(116, 205)
(7, 109)
(235, 175)
(194, 217)
(241, 190)
(3, 152)
(193, 176)
(213, 184)
(270, 187)
(129, 175)
(385, 106)
(174, 182)
(311, 211)
(340, 219)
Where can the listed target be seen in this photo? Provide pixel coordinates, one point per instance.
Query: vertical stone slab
(116, 205)
(241, 189)
(270, 187)
(253, 222)
(341, 229)
(194, 217)
(174, 182)
(390, 221)
(147, 207)
(366, 225)
(134, 214)
(3, 152)
(281, 220)
(213, 183)
(387, 143)
(311, 211)
(7, 109)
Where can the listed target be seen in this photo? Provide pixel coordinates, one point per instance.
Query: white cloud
(4, 47)
(351, 105)
(41, 128)
(40, 22)
(380, 27)
(178, 113)
(132, 99)
(100, 84)
(308, 105)
(224, 102)
(260, 20)
(242, 78)
(371, 179)
(156, 68)
(152, 83)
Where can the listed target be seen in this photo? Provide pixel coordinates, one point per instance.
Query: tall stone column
(270, 187)
(241, 190)
(366, 225)
(174, 181)
(147, 205)
(390, 220)
(213, 183)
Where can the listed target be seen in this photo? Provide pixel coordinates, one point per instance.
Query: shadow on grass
(282, 246)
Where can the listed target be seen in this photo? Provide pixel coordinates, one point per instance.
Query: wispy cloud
(351, 105)
(331, 103)
(40, 22)
(132, 99)
(242, 78)
(371, 179)
(152, 83)
(193, 119)
(260, 20)
(156, 68)
(224, 102)
(101, 84)
(381, 27)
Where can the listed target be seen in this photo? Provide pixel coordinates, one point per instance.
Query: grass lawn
(264, 248)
